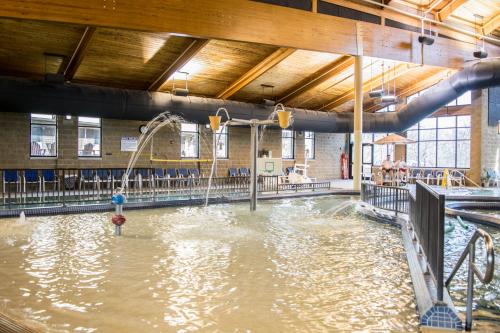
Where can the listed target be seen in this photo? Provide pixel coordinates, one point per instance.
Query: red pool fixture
(118, 218)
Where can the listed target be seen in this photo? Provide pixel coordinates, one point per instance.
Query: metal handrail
(485, 278)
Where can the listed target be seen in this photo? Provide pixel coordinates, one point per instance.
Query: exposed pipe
(28, 96)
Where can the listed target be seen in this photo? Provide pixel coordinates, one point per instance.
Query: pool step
(10, 325)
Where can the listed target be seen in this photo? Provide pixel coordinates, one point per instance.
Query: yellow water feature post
(284, 120)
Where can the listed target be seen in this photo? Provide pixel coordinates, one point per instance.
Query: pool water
(295, 265)
(486, 309)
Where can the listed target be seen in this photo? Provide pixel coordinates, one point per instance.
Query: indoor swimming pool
(294, 265)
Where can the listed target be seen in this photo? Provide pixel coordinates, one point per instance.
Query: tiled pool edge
(107, 207)
(434, 316)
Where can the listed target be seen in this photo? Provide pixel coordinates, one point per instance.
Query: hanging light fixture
(423, 39)
(378, 92)
(480, 52)
(391, 98)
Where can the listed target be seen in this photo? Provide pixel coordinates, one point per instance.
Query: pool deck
(88, 207)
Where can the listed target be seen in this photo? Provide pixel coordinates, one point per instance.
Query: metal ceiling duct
(21, 95)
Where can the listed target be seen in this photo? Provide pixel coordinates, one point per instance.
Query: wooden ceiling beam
(269, 62)
(373, 82)
(449, 8)
(78, 54)
(189, 52)
(324, 74)
(252, 22)
(492, 25)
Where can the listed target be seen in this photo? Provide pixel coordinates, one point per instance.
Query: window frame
(78, 137)
(226, 136)
(292, 138)
(313, 139)
(197, 132)
(56, 125)
(437, 141)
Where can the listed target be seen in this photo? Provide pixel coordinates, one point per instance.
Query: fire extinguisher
(344, 170)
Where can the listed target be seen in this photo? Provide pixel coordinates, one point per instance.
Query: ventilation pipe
(21, 95)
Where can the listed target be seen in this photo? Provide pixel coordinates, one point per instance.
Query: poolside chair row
(241, 172)
(21, 179)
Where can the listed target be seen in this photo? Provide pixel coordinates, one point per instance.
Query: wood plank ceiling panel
(218, 65)
(24, 43)
(284, 75)
(128, 59)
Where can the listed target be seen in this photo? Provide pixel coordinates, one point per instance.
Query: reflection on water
(486, 313)
(292, 266)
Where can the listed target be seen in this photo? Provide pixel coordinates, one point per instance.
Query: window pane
(189, 144)
(463, 134)
(446, 154)
(185, 127)
(89, 141)
(429, 134)
(463, 158)
(43, 140)
(367, 154)
(428, 123)
(43, 118)
(446, 122)
(452, 103)
(367, 137)
(465, 99)
(446, 134)
(427, 154)
(221, 141)
(411, 154)
(89, 121)
(309, 135)
(309, 147)
(463, 121)
(287, 144)
(413, 135)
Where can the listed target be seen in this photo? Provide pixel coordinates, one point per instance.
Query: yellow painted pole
(358, 121)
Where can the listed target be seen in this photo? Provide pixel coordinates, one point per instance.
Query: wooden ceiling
(214, 68)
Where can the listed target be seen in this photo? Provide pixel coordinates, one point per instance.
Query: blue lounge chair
(87, 177)
(232, 172)
(183, 172)
(32, 177)
(49, 177)
(244, 172)
(171, 173)
(195, 173)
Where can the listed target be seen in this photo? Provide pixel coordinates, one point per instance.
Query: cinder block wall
(15, 147)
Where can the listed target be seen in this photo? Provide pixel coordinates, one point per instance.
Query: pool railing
(32, 188)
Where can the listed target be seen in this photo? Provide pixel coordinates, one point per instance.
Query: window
(375, 154)
(465, 99)
(43, 135)
(442, 142)
(89, 137)
(309, 145)
(287, 144)
(222, 140)
(189, 140)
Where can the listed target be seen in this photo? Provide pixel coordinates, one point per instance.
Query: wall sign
(128, 143)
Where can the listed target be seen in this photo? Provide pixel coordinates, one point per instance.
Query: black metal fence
(386, 197)
(427, 218)
(30, 187)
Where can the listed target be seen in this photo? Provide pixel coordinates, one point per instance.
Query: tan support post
(358, 121)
